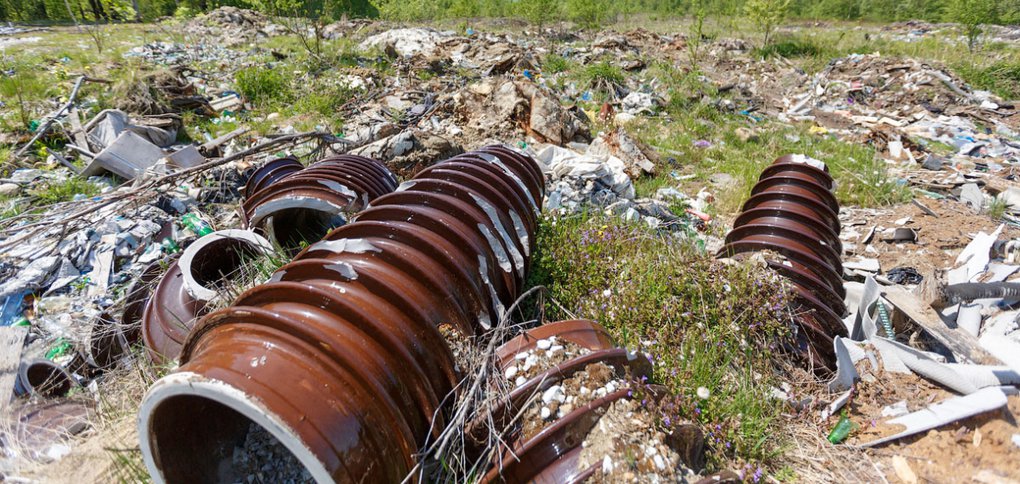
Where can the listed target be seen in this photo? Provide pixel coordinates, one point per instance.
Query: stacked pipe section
(285, 201)
(792, 218)
(563, 378)
(339, 356)
(290, 204)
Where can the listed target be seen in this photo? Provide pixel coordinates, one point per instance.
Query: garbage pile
(906, 108)
(232, 26)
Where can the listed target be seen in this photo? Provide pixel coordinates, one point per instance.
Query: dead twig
(50, 119)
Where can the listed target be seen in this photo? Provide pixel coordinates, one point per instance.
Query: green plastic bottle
(170, 246)
(62, 347)
(842, 430)
(196, 224)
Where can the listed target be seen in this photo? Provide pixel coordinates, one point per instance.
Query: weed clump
(711, 330)
(262, 86)
(65, 190)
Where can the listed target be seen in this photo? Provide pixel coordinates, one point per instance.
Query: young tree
(590, 14)
(537, 12)
(971, 15)
(766, 15)
(295, 15)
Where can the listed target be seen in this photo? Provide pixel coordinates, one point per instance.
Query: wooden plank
(76, 131)
(12, 342)
(222, 139)
(961, 343)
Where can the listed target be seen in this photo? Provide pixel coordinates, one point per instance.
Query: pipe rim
(194, 385)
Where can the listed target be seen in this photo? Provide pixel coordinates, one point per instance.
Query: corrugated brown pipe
(339, 356)
(792, 215)
(553, 454)
(279, 190)
(291, 204)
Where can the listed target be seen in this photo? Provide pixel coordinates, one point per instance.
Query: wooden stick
(49, 122)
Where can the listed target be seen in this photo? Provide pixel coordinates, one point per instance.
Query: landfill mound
(371, 229)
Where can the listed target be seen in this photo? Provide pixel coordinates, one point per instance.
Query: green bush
(766, 15)
(603, 71)
(555, 63)
(589, 14)
(263, 86)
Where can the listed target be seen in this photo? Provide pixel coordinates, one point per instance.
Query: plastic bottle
(195, 223)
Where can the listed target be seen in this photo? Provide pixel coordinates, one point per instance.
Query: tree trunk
(97, 10)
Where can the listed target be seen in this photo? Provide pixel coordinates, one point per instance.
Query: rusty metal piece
(43, 377)
(191, 283)
(792, 217)
(339, 356)
(292, 205)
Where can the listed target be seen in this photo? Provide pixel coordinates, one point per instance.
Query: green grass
(602, 71)
(788, 48)
(11, 207)
(54, 192)
(996, 208)
(861, 177)
(555, 64)
(705, 324)
(1001, 78)
(264, 86)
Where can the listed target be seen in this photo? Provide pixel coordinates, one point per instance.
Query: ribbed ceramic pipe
(284, 200)
(290, 204)
(792, 212)
(551, 455)
(339, 355)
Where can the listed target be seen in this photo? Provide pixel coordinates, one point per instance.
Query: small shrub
(589, 14)
(767, 15)
(324, 101)
(603, 72)
(555, 63)
(262, 86)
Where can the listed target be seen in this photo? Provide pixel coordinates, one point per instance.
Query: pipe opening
(45, 378)
(293, 226)
(213, 266)
(198, 440)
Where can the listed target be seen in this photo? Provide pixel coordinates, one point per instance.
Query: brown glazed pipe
(338, 185)
(289, 204)
(339, 356)
(792, 213)
(551, 455)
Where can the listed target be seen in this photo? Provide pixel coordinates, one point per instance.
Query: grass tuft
(63, 191)
(705, 325)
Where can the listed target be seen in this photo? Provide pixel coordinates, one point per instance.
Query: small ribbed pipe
(290, 205)
(792, 214)
(553, 454)
(339, 356)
